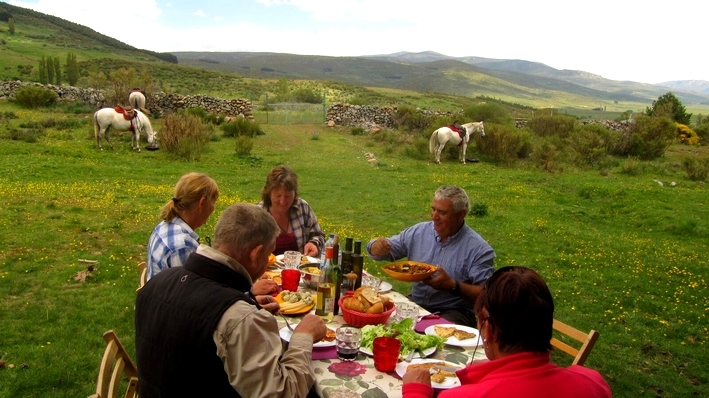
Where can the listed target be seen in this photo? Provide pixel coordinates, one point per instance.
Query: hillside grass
(621, 254)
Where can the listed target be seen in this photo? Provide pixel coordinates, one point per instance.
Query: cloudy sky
(633, 40)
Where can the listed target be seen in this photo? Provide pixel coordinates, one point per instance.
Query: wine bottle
(357, 263)
(346, 263)
(336, 274)
(326, 290)
(328, 243)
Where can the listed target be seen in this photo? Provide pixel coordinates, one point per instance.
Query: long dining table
(339, 379)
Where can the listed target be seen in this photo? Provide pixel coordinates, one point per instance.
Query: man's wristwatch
(456, 290)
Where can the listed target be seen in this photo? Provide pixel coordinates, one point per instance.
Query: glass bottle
(328, 243)
(357, 263)
(324, 307)
(336, 274)
(346, 263)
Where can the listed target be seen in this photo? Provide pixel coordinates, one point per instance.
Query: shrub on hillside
(503, 144)
(419, 149)
(241, 126)
(552, 125)
(696, 169)
(410, 119)
(647, 139)
(185, 136)
(589, 144)
(206, 117)
(243, 145)
(307, 95)
(686, 135)
(703, 133)
(34, 96)
(487, 112)
(357, 130)
(544, 155)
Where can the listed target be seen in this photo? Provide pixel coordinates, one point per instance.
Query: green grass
(621, 254)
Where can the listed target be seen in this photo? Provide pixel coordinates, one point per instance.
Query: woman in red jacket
(515, 316)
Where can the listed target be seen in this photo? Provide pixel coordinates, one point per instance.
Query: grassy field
(621, 253)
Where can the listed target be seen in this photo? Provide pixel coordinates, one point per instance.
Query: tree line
(50, 70)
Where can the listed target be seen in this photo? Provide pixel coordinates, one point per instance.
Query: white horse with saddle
(136, 99)
(445, 135)
(123, 120)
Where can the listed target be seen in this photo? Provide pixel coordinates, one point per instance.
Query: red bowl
(359, 319)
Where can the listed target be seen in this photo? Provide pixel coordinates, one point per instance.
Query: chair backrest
(143, 275)
(115, 364)
(587, 341)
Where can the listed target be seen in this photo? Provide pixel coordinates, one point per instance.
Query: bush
(503, 144)
(244, 145)
(185, 135)
(487, 112)
(29, 135)
(589, 144)
(419, 149)
(357, 130)
(34, 96)
(548, 125)
(410, 119)
(77, 107)
(479, 209)
(696, 169)
(544, 155)
(307, 95)
(632, 167)
(648, 138)
(206, 117)
(686, 135)
(703, 133)
(241, 127)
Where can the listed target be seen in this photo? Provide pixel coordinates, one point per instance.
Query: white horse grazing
(106, 118)
(136, 99)
(444, 135)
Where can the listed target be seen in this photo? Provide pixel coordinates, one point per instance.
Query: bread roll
(352, 303)
(376, 308)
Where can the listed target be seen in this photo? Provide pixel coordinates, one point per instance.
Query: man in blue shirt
(464, 258)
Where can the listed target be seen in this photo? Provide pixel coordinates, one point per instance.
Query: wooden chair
(587, 341)
(143, 275)
(115, 364)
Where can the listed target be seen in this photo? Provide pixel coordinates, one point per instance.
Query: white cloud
(199, 13)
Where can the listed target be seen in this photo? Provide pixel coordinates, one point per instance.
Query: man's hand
(417, 375)
(268, 303)
(380, 247)
(313, 325)
(264, 286)
(310, 249)
(441, 280)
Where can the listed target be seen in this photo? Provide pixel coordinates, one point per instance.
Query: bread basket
(359, 319)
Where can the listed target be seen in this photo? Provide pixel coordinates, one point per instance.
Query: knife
(445, 368)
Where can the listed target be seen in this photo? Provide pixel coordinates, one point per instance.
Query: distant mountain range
(513, 80)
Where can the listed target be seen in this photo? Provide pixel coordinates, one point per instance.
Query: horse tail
(96, 126)
(432, 142)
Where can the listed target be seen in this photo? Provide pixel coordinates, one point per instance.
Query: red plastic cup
(290, 279)
(386, 353)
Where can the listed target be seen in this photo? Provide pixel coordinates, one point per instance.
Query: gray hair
(457, 196)
(243, 226)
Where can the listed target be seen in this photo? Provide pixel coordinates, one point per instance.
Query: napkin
(424, 323)
(325, 353)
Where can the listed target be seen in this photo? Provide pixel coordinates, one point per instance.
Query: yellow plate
(304, 310)
(409, 271)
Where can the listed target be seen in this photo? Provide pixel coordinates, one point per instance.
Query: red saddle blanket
(460, 131)
(127, 116)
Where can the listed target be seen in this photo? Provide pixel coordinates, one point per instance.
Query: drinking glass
(348, 340)
(291, 259)
(386, 352)
(371, 281)
(407, 310)
(290, 279)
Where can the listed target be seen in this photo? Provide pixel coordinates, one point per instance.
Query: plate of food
(440, 378)
(410, 340)
(327, 341)
(457, 335)
(409, 271)
(271, 259)
(303, 260)
(295, 303)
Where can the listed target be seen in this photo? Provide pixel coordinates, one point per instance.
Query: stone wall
(159, 104)
(366, 116)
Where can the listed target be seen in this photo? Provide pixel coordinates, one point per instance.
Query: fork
(287, 324)
(410, 356)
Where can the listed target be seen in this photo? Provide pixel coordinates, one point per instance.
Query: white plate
(279, 260)
(285, 334)
(453, 341)
(427, 352)
(385, 287)
(450, 382)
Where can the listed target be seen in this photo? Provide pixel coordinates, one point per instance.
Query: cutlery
(410, 356)
(287, 324)
(445, 368)
(433, 315)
